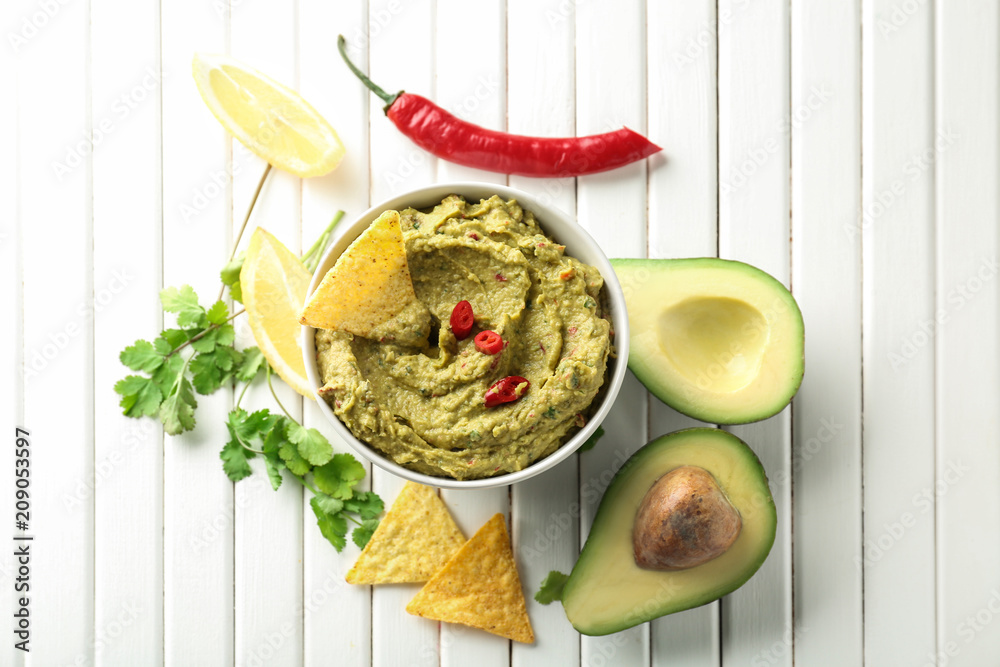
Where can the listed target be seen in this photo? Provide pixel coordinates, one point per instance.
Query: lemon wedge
(270, 119)
(274, 284)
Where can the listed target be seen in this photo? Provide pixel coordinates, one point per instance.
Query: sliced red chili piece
(462, 320)
(488, 342)
(506, 390)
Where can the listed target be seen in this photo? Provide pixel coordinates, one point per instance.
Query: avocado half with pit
(688, 519)
(717, 340)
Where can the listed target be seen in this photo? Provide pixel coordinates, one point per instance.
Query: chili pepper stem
(386, 97)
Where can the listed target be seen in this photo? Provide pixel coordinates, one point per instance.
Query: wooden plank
(472, 85)
(754, 227)
(824, 122)
(128, 481)
(896, 225)
(683, 222)
(329, 602)
(545, 510)
(968, 386)
(611, 92)
(397, 165)
(269, 524)
(56, 226)
(12, 333)
(199, 504)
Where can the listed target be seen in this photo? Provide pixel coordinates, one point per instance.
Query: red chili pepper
(462, 320)
(506, 390)
(488, 342)
(453, 139)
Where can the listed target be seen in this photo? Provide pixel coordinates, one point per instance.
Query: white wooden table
(849, 148)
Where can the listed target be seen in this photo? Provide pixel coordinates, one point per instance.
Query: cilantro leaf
(219, 335)
(253, 362)
(142, 356)
(227, 358)
(140, 396)
(251, 428)
(206, 376)
(274, 466)
(230, 275)
(312, 445)
(332, 526)
(218, 313)
(551, 588)
(338, 477)
(166, 376)
(183, 302)
(177, 411)
(365, 504)
(364, 532)
(235, 460)
(328, 504)
(592, 440)
(272, 444)
(289, 453)
(171, 339)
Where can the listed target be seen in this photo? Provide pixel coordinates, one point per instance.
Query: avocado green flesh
(607, 592)
(717, 340)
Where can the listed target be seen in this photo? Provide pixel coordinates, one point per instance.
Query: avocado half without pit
(687, 519)
(717, 340)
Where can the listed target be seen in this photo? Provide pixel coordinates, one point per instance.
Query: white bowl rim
(593, 255)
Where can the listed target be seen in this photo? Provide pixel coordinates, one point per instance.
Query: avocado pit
(684, 520)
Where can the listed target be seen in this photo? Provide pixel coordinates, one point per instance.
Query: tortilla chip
(413, 541)
(479, 587)
(367, 287)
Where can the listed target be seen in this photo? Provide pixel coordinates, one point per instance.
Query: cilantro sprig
(198, 356)
(307, 457)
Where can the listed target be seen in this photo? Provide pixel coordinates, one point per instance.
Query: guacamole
(422, 404)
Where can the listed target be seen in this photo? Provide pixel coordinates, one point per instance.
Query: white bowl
(556, 225)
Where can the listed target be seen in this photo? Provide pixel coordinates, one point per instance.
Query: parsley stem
(204, 331)
(246, 219)
(275, 394)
